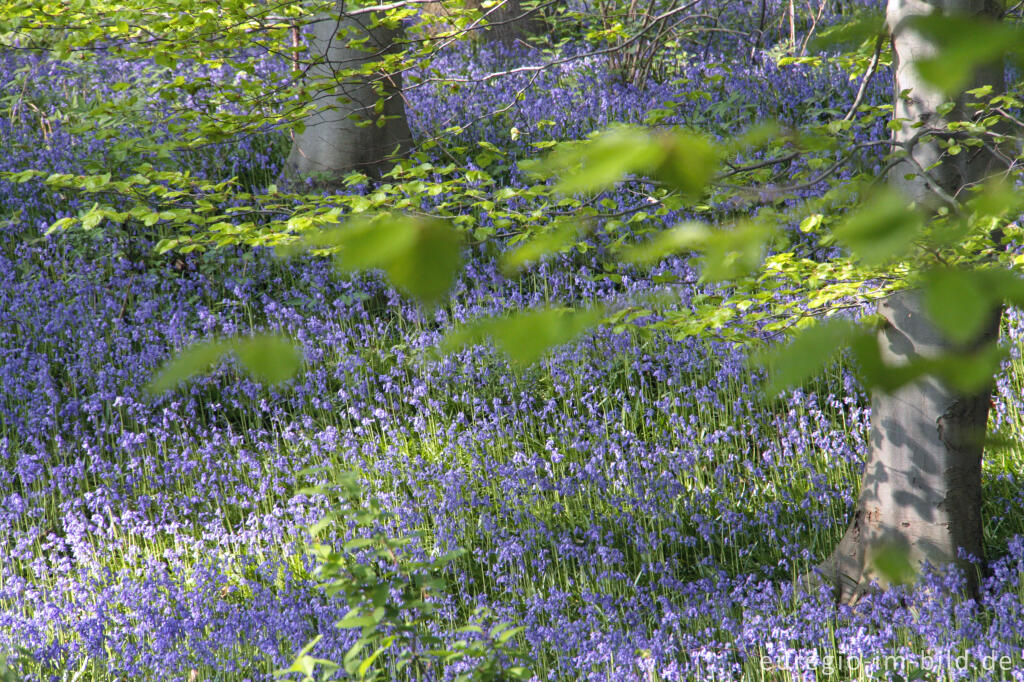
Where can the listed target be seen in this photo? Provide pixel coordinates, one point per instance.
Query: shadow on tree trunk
(920, 492)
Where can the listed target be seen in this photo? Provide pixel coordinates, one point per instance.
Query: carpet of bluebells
(633, 501)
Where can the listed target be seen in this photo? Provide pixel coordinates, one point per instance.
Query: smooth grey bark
(921, 487)
(509, 22)
(333, 143)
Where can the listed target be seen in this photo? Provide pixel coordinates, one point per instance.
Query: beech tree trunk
(508, 22)
(333, 142)
(921, 488)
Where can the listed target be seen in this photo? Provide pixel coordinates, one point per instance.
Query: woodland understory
(634, 501)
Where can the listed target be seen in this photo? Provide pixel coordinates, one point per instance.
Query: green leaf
(1004, 284)
(303, 663)
(601, 162)
(970, 372)
(560, 234)
(358, 543)
(965, 372)
(735, 251)
(420, 256)
(883, 229)
(165, 245)
(893, 563)
(809, 351)
(965, 44)
(194, 360)
(270, 358)
(369, 660)
(957, 303)
(811, 222)
(508, 634)
(92, 218)
(356, 619)
(164, 59)
(60, 224)
(526, 335)
(682, 160)
(688, 236)
(689, 163)
(867, 26)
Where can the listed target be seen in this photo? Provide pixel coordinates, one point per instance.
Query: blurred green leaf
(998, 443)
(893, 563)
(735, 251)
(364, 666)
(560, 233)
(420, 256)
(601, 162)
(1005, 285)
(883, 229)
(971, 371)
(957, 303)
(688, 236)
(196, 359)
(527, 335)
(965, 372)
(996, 198)
(726, 252)
(680, 159)
(754, 137)
(8, 675)
(306, 664)
(809, 351)
(965, 44)
(867, 26)
(690, 161)
(268, 357)
(507, 634)
(357, 618)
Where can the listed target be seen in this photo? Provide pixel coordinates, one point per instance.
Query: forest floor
(633, 501)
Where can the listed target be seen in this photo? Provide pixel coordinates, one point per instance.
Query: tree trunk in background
(921, 489)
(507, 22)
(333, 143)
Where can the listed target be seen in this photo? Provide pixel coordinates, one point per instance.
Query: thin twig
(872, 68)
